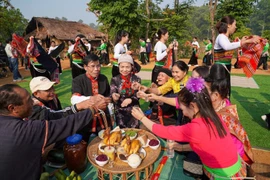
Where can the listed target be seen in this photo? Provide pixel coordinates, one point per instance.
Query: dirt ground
(65, 65)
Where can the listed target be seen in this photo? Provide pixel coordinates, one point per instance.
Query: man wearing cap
(123, 93)
(47, 106)
(91, 85)
(23, 142)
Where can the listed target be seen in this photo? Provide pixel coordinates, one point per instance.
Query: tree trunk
(212, 9)
(148, 16)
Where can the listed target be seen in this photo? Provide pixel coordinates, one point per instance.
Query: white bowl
(101, 134)
(100, 145)
(154, 147)
(101, 163)
(134, 160)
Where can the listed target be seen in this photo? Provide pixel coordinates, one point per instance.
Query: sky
(73, 10)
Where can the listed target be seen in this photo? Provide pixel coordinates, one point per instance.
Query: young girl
(161, 52)
(194, 57)
(123, 95)
(119, 49)
(207, 134)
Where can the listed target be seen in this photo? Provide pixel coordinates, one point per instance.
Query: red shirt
(215, 152)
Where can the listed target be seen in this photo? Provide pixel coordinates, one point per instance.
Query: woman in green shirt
(208, 57)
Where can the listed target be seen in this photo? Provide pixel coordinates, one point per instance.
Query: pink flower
(195, 85)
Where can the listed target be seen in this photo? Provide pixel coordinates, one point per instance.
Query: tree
(239, 9)
(80, 21)
(11, 21)
(116, 15)
(57, 18)
(64, 19)
(259, 20)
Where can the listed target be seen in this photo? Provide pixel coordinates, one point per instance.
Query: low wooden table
(121, 168)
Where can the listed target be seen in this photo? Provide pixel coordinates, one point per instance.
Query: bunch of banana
(44, 176)
(60, 175)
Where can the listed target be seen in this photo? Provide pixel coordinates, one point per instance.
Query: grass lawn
(251, 104)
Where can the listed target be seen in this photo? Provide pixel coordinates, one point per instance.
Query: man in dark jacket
(47, 105)
(23, 141)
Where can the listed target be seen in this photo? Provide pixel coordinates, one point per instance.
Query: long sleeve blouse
(215, 152)
(223, 42)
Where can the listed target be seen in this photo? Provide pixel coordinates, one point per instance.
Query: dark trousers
(142, 57)
(115, 71)
(58, 60)
(263, 61)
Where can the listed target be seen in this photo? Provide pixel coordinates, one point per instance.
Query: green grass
(251, 104)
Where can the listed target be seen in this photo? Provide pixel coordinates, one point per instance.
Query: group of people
(197, 108)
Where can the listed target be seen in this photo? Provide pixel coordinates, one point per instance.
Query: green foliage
(239, 9)
(11, 21)
(117, 15)
(259, 20)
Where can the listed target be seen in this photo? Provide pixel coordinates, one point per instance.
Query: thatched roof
(62, 30)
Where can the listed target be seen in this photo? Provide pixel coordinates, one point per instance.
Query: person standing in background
(264, 56)
(12, 54)
(194, 57)
(148, 49)
(208, 57)
(175, 49)
(142, 50)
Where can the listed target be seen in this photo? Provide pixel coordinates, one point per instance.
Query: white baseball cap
(40, 83)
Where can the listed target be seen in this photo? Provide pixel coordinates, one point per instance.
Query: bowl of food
(132, 134)
(102, 159)
(134, 160)
(154, 143)
(142, 153)
(101, 134)
(101, 147)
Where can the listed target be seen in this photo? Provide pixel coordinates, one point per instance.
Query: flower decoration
(195, 85)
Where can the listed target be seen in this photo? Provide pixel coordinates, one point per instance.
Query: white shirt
(160, 49)
(88, 46)
(119, 49)
(196, 43)
(70, 48)
(223, 42)
(8, 50)
(51, 49)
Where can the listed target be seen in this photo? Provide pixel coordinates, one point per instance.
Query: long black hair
(161, 31)
(218, 77)
(119, 35)
(205, 106)
(222, 25)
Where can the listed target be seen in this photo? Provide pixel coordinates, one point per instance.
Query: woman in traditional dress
(194, 57)
(119, 49)
(207, 133)
(161, 52)
(223, 48)
(123, 94)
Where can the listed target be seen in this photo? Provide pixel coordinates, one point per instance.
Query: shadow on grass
(252, 106)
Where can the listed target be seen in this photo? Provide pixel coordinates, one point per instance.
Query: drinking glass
(169, 149)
